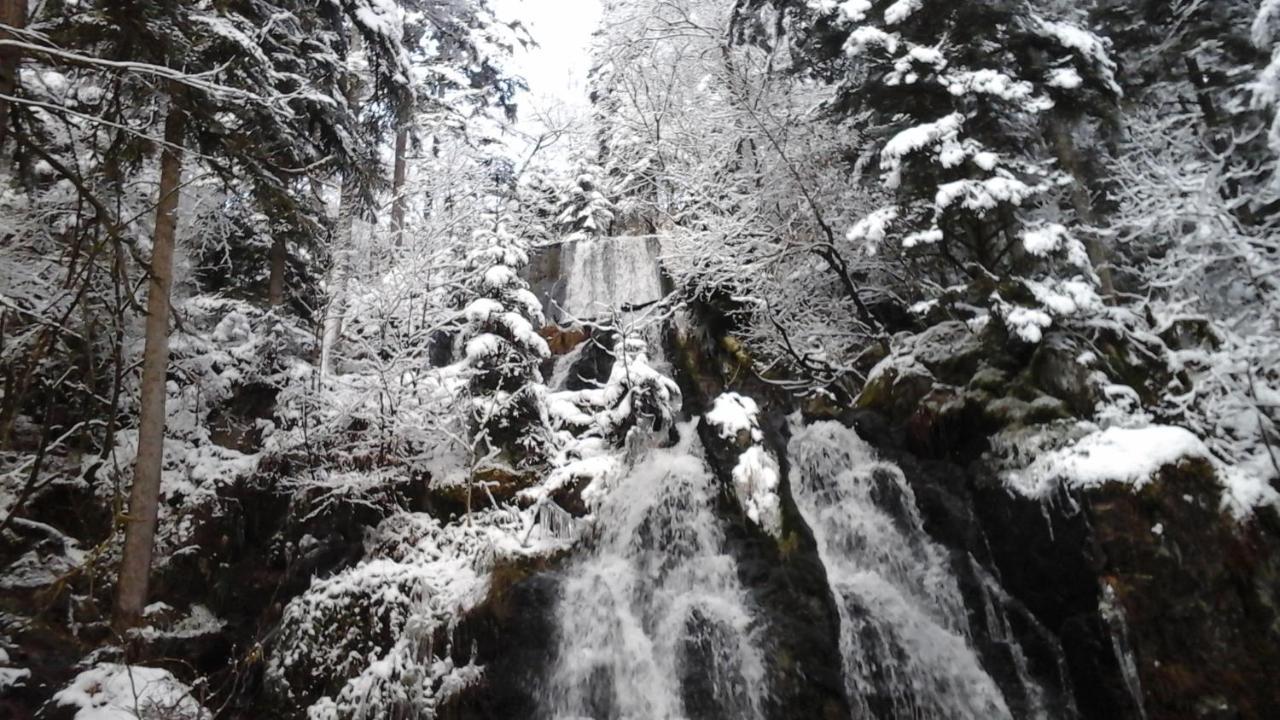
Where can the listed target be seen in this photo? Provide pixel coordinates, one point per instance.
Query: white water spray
(654, 624)
(903, 628)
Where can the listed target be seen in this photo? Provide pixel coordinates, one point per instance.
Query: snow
(1066, 297)
(1114, 455)
(990, 82)
(1027, 323)
(755, 482)
(755, 474)
(11, 677)
(919, 137)
(500, 277)
(198, 622)
(1045, 239)
(871, 230)
(867, 36)
(483, 347)
(734, 414)
(1246, 488)
(1065, 78)
(1091, 47)
(481, 309)
(924, 237)
(850, 10)
(901, 10)
(982, 196)
(118, 692)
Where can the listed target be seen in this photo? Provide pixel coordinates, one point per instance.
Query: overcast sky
(557, 67)
(556, 70)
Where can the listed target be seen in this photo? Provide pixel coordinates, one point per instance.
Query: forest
(639, 359)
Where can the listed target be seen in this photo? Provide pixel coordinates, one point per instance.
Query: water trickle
(1113, 613)
(904, 630)
(654, 624)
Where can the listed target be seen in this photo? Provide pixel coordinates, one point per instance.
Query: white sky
(555, 70)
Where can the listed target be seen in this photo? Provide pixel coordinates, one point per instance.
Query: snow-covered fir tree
(504, 352)
(958, 125)
(585, 210)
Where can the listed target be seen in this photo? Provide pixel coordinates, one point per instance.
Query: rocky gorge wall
(1102, 603)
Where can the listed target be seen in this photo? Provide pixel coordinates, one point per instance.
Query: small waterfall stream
(608, 274)
(653, 622)
(904, 630)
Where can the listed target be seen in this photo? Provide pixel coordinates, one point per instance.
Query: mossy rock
(1055, 369)
(896, 391)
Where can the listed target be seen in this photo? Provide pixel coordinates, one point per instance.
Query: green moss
(789, 545)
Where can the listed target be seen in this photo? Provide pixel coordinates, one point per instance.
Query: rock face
(1157, 595)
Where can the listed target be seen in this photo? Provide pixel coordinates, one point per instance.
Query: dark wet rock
(512, 634)
(594, 361)
(545, 278)
(950, 350)
(440, 348)
(563, 339)
(1200, 594)
(236, 423)
(1056, 369)
(1195, 594)
(896, 390)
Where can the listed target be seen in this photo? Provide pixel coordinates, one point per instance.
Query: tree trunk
(140, 529)
(340, 267)
(338, 273)
(1069, 159)
(14, 14)
(279, 256)
(397, 182)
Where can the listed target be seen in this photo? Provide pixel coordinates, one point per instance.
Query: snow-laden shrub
(228, 363)
(633, 406)
(109, 691)
(755, 473)
(376, 640)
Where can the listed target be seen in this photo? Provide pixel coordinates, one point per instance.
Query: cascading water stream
(904, 630)
(653, 622)
(606, 275)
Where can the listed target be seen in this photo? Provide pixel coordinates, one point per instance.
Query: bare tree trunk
(339, 271)
(1069, 159)
(279, 256)
(140, 530)
(340, 267)
(14, 14)
(397, 181)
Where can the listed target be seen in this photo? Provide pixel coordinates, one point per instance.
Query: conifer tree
(585, 212)
(504, 353)
(959, 99)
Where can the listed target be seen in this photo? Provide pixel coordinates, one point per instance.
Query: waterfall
(653, 622)
(904, 629)
(607, 274)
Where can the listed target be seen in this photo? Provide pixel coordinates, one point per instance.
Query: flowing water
(654, 624)
(607, 275)
(904, 631)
